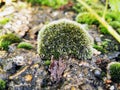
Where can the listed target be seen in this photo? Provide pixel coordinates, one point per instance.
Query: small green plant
(7, 39)
(64, 38)
(86, 18)
(111, 17)
(51, 3)
(101, 20)
(2, 84)
(25, 45)
(114, 71)
(114, 24)
(104, 47)
(102, 29)
(115, 5)
(3, 21)
(47, 62)
(95, 4)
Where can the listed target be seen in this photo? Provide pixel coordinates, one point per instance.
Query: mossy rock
(64, 38)
(7, 39)
(114, 71)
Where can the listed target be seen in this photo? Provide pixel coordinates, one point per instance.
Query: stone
(28, 78)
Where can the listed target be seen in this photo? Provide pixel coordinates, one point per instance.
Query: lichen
(64, 38)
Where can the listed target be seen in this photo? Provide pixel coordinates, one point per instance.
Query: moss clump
(2, 84)
(114, 71)
(52, 3)
(4, 21)
(94, 4)
(111, 17)
(106, 46)
(25, 45)
(64, 38)
(86, 18)
(7, 39)
(47, 62)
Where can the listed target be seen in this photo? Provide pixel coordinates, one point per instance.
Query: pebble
(12, 48)
(112, 87)
(97, 73)
(2, 54)
(28, 78)
(72, 88)
(35, 66)
(113, 55)
(19, 60)
(108, 81)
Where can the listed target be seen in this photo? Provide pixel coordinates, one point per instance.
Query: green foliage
(6, 40)
(78, 8)
(25, 45)
(115, 5)
(4, 21)
(103, 47)
(86, 18)
(51, 3)
(103, 30)
(116, 25)
(4, 45)
(64, 37)
(111, 17)
(114, 69)
(101, 20)
(99, 47)
(95, 4)
(2, 84)
(118, 30)
(47, 62)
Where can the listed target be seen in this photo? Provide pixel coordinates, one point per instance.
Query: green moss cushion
(114, 71)
(64, 37)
